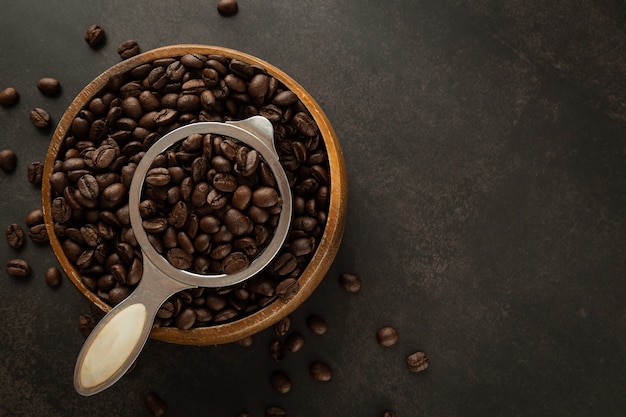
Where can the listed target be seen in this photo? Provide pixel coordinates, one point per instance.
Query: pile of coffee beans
(110, 135)
(210, 204)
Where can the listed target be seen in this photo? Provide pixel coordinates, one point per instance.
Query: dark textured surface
(486, 156)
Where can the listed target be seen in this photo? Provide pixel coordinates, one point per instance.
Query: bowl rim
(325, 252)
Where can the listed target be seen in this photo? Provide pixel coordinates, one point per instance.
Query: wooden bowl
(327, 246)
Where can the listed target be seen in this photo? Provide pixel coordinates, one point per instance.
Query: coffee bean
(294, 342)
(387, 336)
(15, 235)
(235, 262)
(275, 411)
(53, 277)
(287, 288)
(86, 323)
(227, 7)
(350, 282)
(282, 327)
(38, 233)
(316, 324)
(49, 86)
(186, 319)
(265, 197)
(18, 268)
(34, 217)
(280, 381)
(8, 160)
(320, 371)
(95, 36)
(9, 97)
(417, 361)
(179, 258)
(277, 350)
(34, 173)
(128, 49)
(39, 118)
(155, 405)
(388, 413)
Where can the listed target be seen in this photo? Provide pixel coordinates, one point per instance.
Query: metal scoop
(117, 340)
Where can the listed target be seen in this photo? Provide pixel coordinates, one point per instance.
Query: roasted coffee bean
(60, 210)
(53, 277)
(15, 235)
(417, 361)
(39, 118)
(86, 323)
(34, 173)
(179, 258)
(49, 86)
(8, 160)
(275, 411)
(118, 294)
(277, 350)
(186, 319)
(9, 97)
(287, 288)
(280, 381)
(350, 282)
(38, 233)
(225, 315)
(95, 36)
(155, 405)
(128, 49)
(316, 324)
(18, 268)
(34, 217)
(320, 371)
(387, 336)
(388, 413)
(245, 342)
(302, 246)
(282, 327)
(235, 262)
(179, 215)
(158, 176)
(294, 342)
(265, 197)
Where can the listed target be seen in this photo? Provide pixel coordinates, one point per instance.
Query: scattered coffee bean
(227, 7)
(316, 324)
(277, 350)
(18, 268)
(15, 235)
(155, 404)
(34, 217)
(86, 323)
(49, 86)
(53, 276)
(350, 282)
(128, 49)
(387, 336)
(8, 160)
(246, 341)
(388, 413)
(417, 362)
(9, 97)
(320, 371)
(95, 36)
(34, 173)
(38, 233)
(282, 327)
(275, 411)
(39, 118)
(280, 381)
(294, 342)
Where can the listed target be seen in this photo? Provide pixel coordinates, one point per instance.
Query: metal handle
(114, 344)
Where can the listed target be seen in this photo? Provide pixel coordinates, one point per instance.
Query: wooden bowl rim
(328, 244)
